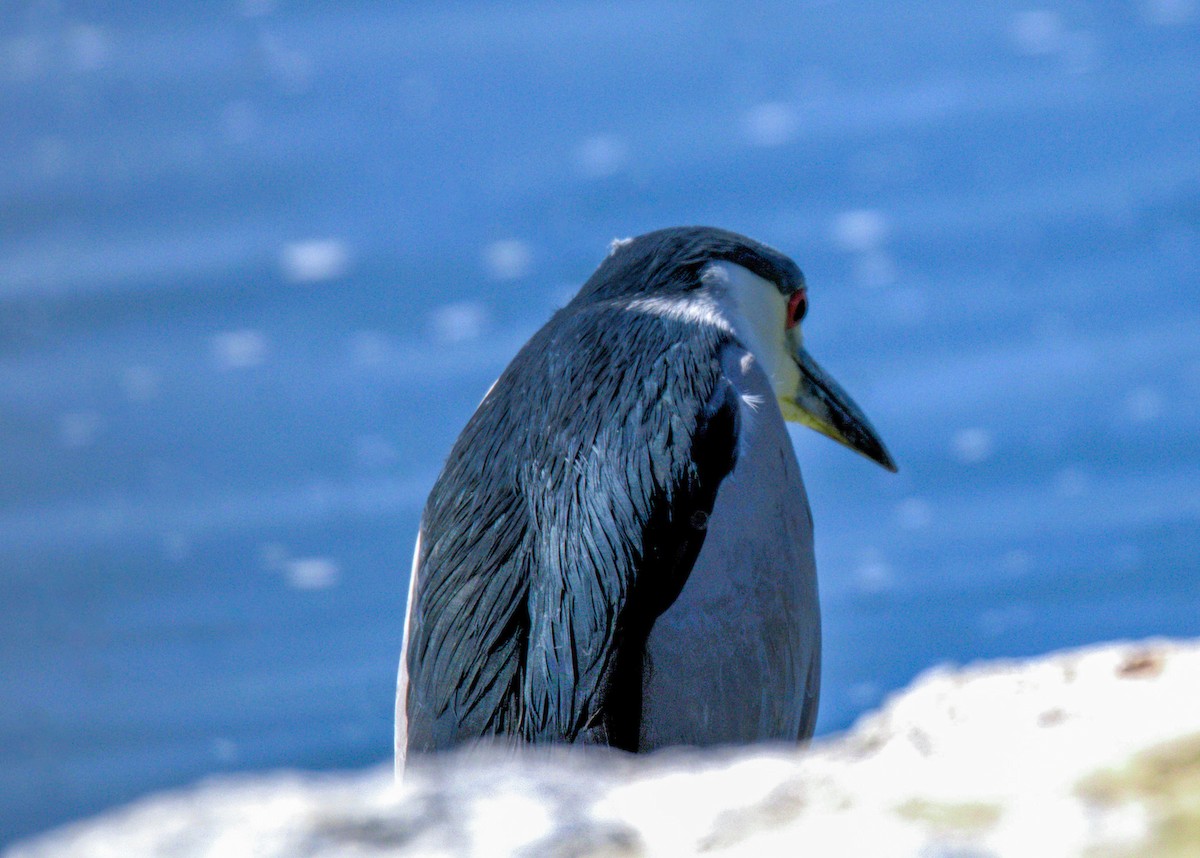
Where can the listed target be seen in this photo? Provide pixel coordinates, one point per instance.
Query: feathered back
(564, 522)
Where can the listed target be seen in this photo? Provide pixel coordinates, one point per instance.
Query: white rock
(1090, 752)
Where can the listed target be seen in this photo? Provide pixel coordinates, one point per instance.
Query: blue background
(259, 261)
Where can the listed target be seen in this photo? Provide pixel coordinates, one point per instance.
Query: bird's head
(712, 276)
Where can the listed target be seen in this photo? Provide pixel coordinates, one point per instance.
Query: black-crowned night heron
(619, 550)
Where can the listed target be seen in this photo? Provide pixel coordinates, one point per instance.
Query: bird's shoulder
(640, 402)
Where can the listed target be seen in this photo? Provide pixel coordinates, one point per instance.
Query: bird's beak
(820, 403)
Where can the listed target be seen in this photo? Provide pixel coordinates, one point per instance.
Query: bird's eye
(797, 307)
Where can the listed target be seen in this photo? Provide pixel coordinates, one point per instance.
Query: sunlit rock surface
(1093, 752)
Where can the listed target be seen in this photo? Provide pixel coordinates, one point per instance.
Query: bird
(619, 548)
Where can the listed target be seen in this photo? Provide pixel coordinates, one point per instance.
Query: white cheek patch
(740, 303)
(757, 312)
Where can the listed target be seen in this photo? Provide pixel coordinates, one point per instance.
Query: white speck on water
(972, 446)
(508, 259)
(1143, 405)
(88, 46)
(311, 573)
(874, 573)
(314, 260)
(771, 124)
(1037, 32)
(860, 230)
(78, 429)
(140, 383)
(1071, 482)
(460, 322)
(601, 156)
(914, 513)
(240, 349)
(1170, 13)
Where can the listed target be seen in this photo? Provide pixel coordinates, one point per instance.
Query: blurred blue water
(259, 263)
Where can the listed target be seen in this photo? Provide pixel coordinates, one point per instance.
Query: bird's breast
(736, 657)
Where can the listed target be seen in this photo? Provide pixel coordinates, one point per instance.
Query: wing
(568, 517)
(465, 637)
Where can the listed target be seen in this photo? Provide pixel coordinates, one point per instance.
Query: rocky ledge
(1092, 752)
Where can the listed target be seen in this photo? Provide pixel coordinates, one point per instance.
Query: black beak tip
(877, 453)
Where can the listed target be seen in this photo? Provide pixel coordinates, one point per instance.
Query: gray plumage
(737, 657)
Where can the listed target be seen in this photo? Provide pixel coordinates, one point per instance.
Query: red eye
(797, 307)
